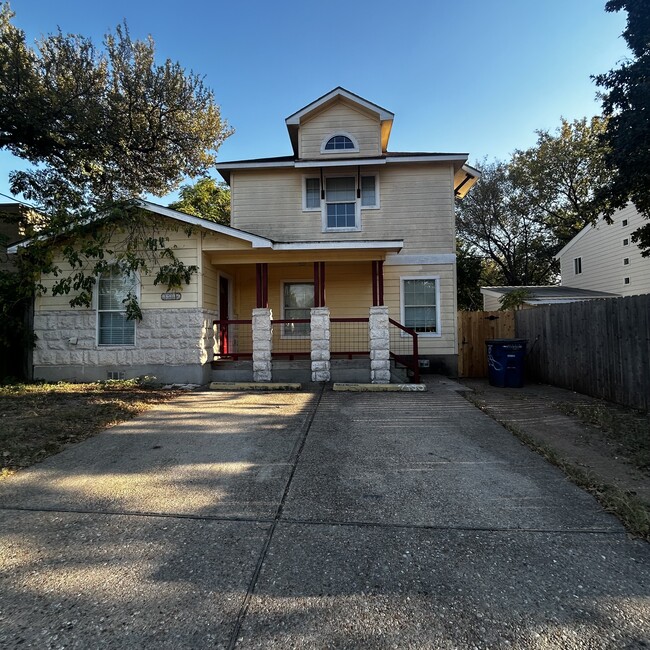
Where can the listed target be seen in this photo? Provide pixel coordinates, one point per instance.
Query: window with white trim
(341, 189)
(626, 261)
(626, 241)
(577, 265)
(113, 288)
(626, 280)
(297, 301)
(339, 143)
(420, 300)
(624, 222)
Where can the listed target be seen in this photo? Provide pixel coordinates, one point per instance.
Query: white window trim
(626, 261)
(282, 284)
(357, 206)
(304, 194)
(329, 152)
(102, 346)
(626, 241)
(377, 205)
(429, 335)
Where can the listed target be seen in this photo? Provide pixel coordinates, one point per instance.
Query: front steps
(341, 370)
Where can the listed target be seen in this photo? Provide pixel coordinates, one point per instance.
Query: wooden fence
(597, 347)
(474, 327)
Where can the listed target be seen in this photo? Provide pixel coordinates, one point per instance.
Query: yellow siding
(186, 249)
(416, 206)
(210, 285)
(446, 343)
(340, 117)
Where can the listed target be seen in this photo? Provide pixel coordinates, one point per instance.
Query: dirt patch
(38, 420)
(601, 446)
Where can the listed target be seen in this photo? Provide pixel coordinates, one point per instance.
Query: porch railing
(404, 348)
(349, 338)
(291, 339)
(234, 339)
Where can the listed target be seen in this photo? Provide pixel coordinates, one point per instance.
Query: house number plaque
(171, 295)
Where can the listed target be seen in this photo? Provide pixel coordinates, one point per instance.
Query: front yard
(38, 420)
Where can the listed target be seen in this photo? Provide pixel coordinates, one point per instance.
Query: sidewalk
(311, 520)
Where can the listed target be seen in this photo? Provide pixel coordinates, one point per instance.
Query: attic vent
(115, 375)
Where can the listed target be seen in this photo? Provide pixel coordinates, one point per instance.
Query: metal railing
(404, 349)
(291, 339)
(349, 338)
(234, 339)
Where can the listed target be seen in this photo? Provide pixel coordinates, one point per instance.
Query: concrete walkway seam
(260, 561)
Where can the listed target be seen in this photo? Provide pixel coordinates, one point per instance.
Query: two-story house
(601, 261)
(603, 257)
(341, 225)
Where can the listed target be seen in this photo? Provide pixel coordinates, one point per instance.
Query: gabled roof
(539, 295)
(385, 116)
(255, 240)
(577, 238)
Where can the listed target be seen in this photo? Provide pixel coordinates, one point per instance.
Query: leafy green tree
(562, 174)
(494, 222)
(101, 126)
(207, 199)
(469, 272)
(514, 299)
(626, 102)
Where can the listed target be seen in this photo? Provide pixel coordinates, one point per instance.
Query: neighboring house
(603, 257)
(332, 230)
(543, 295)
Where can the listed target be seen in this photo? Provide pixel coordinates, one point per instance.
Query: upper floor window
(624, 223)
(577, 265)
(339, 142)
(341, 199)
(113, 289)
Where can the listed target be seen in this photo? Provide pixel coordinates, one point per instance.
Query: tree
(207, 199)
(494, 221)
(469, 272)
(102, 126)
(562, 174)
(626, 102)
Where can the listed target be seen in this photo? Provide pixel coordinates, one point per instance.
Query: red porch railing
(291, 339)
(349, 337)
(234, 339)
(404, 348)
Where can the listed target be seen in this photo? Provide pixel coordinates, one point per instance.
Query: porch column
(262, 285)
(319, 284)
(378, 283)
(262, 339)
(379, 345)
(320, 344)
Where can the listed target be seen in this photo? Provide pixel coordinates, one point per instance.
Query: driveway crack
(243, 610)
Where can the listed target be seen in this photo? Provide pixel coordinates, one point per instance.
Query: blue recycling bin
(506, 362)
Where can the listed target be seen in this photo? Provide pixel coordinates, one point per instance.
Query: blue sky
(472, 76)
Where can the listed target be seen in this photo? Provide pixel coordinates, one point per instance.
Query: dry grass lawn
(38, 420)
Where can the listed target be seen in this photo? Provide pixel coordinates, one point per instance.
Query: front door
(224, 313)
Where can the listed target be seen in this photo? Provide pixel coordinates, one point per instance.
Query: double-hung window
(113, 288)
(342, 199)
(298, 299)
(421, 304)
(577, 265)
(341, 202)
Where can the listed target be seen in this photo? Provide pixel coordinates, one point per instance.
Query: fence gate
(474, 327)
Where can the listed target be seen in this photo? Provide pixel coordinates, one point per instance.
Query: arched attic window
(339, 142)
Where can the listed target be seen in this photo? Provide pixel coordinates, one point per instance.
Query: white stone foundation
(320, 344)
(172, 344)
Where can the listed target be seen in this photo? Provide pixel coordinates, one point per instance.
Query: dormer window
(340, 142)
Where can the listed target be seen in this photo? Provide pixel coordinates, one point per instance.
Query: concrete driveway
(313, 520)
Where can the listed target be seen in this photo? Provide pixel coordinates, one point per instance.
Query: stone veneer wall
(175, 345)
